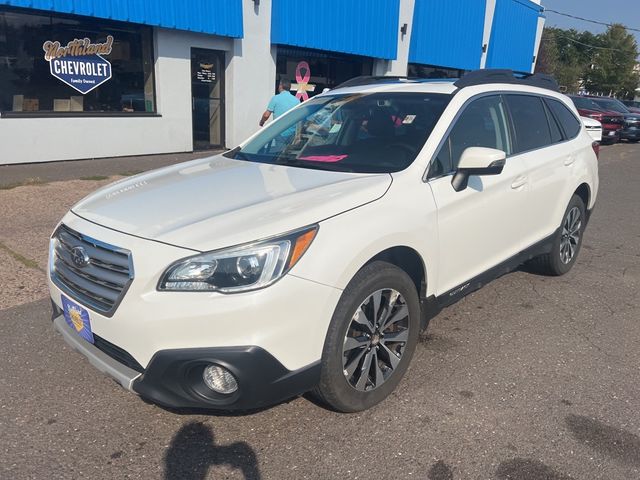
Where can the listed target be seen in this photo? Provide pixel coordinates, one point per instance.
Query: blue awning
(513, 35)
(358, 27)
(448, 33)
(218, 17)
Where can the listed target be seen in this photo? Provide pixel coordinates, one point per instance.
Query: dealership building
(103, 78)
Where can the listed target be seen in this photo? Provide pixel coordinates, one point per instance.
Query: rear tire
(567, 241)
(371, 338)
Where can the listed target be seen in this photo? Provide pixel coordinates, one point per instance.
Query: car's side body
(420, 222)
(449, 242)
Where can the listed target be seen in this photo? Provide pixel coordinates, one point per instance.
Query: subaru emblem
(79, 257)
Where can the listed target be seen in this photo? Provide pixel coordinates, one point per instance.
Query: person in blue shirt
(280, 103)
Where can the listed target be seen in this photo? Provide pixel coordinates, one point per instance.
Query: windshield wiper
(235, 154)
(294, 162)
(231, 153)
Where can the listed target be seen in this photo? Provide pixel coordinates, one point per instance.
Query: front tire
(371, 338)
(567, 241)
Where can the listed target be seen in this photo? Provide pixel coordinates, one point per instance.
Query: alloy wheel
(570, 238)
(375, 340)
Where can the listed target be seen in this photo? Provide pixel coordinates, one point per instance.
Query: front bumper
(610, 135)
(122, 374)
(632, 133)
(173, 378)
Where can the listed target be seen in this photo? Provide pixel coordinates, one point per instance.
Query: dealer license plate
(77, 318)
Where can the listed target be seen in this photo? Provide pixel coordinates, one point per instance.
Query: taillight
(596, 149)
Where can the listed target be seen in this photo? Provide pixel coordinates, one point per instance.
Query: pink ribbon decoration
(302, 81)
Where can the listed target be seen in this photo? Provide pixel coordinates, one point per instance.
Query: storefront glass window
(430, 71)
(311, 71)
(64, 65)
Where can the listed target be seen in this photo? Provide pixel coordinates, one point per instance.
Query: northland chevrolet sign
(79, 64)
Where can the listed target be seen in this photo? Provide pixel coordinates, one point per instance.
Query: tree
(564, 56)
(547, 61)
(602, 64)
(612, 66)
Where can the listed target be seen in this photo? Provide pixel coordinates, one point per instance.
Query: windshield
(612, 105)
(363, 133)
(586, 104)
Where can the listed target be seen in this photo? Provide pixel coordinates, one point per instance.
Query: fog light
(219, 379)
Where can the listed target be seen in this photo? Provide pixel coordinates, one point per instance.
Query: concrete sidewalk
(90, 169)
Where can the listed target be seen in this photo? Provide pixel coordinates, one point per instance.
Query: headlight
(238, 269)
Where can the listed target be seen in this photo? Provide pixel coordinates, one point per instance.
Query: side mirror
(477, 161)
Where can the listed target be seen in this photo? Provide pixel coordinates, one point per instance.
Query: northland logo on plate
(79, 64)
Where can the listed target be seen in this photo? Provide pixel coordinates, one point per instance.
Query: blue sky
(626, 12)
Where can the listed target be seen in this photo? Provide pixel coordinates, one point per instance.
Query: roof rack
(381, 80)
(373, 80)
(476, 77)
(482, 77)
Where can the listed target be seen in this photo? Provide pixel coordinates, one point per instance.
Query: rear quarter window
(570, 124)
(556, 133)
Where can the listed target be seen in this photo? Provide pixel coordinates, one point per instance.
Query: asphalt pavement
(530, 378)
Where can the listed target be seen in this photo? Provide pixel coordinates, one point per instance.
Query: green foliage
(548, 56)
(602, 63)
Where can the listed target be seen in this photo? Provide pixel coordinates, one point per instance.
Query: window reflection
(27, 85)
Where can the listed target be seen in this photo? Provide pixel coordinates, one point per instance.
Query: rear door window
(529, 121)
(570, 124)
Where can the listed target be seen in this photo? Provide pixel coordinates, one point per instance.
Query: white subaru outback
(310, 257)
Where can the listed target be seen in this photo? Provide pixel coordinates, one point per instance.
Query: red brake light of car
(596, 149)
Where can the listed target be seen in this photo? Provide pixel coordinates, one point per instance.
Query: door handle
(519, 182)
(569, 160)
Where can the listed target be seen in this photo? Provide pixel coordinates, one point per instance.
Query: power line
(591, 46)
(588, 20)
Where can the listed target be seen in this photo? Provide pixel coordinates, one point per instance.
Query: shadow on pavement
(440, 471)
(193, 452)
(528, 469)
(614, 442)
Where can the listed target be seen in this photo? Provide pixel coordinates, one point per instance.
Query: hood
(585, 112)
(217, 202)
(590, 122)
(608, 113)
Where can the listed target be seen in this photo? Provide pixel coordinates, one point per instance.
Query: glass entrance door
(207, 103)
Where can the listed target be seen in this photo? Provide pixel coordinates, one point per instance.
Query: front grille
(617, 120)
(117, 353)
(99, 284)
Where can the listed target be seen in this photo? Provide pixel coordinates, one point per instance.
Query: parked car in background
(593, 127)
(632, 105)
(631, 127)
(611, 121)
